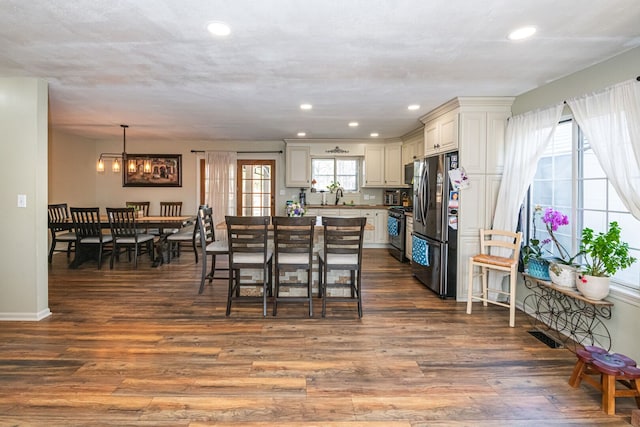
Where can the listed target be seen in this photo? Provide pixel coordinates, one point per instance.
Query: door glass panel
(256, 187)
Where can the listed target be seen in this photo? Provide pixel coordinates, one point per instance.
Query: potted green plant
(333, 186)
(603, 255)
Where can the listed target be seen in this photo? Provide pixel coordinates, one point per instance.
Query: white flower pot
(562, 275)
(593, 287)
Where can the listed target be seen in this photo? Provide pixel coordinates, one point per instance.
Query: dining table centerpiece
(603, 255)
(295, 209)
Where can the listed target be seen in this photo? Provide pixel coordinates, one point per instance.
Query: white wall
(72, 169)
(626, 311)
(615, 70)
(23, 253)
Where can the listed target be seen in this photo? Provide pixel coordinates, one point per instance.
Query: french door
(256, 188)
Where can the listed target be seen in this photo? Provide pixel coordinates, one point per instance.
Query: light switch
(22, 200)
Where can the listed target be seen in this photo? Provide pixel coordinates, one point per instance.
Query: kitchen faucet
(339, 194)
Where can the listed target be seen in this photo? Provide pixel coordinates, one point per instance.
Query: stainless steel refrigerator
(435, 224)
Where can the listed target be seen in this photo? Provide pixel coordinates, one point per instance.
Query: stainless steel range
(396, 229)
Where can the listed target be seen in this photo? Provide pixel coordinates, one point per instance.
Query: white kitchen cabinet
(370, 235)
(468, 246)
(441, 134)
(408, 231)
(481, 141)
(473, 141)
(376, 218)
(329, 212)
(298, 166)
(383, 165)
(413, 145)
(381, 219)
(496, 130)
(471, 212)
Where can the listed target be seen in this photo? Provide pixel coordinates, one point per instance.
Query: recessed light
(374, 134)
(522, 33)
(219, 29)
(302, 134)
(353, 124)
(413, 107)
(306, 106)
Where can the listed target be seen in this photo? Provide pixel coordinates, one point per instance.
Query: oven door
(395, 228)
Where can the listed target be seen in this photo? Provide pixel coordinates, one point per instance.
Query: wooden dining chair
(342, 250)
(86, 222)
(502, 264)
(293, 251)
(139, 206)
(125, 233)
(209, 246)
(169, 209)
(249, 249)
(61, 229)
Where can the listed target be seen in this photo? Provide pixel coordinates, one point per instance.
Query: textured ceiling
(152, 64)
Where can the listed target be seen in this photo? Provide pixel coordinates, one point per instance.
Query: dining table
(160, 222)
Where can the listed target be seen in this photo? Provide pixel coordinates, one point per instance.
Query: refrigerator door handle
(419, 200)
(424, 206)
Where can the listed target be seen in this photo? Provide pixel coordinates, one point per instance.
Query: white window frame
(358, 173)
(629, 292)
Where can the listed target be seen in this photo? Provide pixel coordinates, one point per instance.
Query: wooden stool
(612, 369)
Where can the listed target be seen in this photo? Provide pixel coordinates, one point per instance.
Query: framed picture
(152, 170)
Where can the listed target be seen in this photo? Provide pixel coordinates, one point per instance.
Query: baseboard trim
(25, 317)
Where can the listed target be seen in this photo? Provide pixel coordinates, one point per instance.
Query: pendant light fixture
(118, 158)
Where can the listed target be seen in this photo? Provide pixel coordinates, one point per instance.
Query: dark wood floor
(127, 347)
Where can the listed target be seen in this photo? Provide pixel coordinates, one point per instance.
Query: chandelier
(118, 158)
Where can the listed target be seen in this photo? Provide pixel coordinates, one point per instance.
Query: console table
(566, 315)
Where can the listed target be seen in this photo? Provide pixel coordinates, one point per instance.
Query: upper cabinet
(441, 133)
(475, 126)
(383, 165)
(413, 145)
(298, 166)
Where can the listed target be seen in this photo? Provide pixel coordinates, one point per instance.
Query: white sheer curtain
(221, 186)
(528, 135)
(610, 120)
(526, 138)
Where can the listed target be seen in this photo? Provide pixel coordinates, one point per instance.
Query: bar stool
(342, 250)
(293, 244)
(249, 249)
(487, 261)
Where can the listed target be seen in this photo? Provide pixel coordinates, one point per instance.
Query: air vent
(550, 342)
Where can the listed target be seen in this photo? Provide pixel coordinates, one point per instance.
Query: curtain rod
(637, 79)
(243, 152)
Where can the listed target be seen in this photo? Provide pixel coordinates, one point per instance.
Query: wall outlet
(22, 200)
